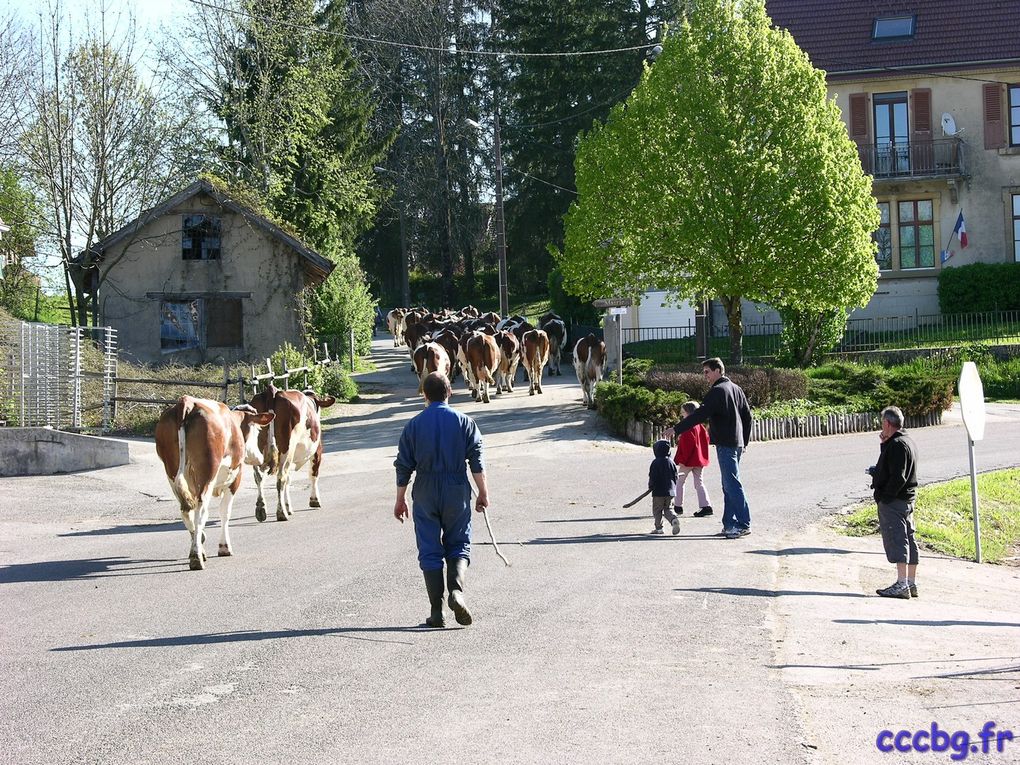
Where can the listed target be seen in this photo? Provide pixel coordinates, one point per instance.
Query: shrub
(807, 335)
(980, 287)
(327, 380)
(635, 371)
(620, 403)
(762, 386)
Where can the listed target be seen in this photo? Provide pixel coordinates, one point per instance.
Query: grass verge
(945, 521)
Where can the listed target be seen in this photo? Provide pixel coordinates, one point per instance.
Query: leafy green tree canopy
(727, 173)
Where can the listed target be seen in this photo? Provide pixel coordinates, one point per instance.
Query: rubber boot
(435, 585)
(455, 570)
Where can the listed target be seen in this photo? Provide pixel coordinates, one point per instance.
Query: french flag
(960, 230)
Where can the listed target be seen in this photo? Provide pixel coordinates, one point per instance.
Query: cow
(556, 328)
(482, 356)
(448, 338)
(203, 445)
(430, 357)
(509, 358)
(536, 354)
(395, 323)
(490, 318)
(294, 440)
(589, 360)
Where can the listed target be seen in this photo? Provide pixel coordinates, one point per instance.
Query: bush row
(980, 287)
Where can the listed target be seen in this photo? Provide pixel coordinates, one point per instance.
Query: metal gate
(58, 376)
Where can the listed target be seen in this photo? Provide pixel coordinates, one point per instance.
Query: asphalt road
(599, 643)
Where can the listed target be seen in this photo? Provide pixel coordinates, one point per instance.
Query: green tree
(551, 100)
(19, 280)
(728, 173)
(297, 117)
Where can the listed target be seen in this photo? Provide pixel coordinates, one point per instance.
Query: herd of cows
(205, 444)
(487, 349)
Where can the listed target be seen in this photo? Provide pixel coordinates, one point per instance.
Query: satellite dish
(948, 124)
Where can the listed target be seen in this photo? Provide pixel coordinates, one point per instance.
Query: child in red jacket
(691, 458)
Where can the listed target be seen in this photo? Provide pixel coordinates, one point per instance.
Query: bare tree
(98, 142)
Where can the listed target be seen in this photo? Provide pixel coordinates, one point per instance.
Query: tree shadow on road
(758, 593)
(929, 622)
(89, 568)
(245, 636)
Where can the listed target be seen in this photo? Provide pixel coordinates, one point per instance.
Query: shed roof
(319, 266)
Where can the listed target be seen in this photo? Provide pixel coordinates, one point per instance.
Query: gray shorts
(896, 521)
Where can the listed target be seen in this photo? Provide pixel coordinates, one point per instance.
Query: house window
(224, 322)
(1016, 227)
(201, 323)
(917, 234)
(893, 28)
(883, 237)
(180, 325)
(892, 143)
(1014, 115)
(200, 237)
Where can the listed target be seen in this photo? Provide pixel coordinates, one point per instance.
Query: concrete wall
(268, 274)
(44, 451)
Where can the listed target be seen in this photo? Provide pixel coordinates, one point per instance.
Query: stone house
(203, 277)
(930, 92)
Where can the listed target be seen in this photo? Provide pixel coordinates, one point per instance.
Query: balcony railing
(940, 158)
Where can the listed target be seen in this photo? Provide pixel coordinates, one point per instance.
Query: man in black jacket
(894, 480)
(729, 418)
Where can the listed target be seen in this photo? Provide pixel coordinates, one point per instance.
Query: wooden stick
(638, 499)
(492, 536)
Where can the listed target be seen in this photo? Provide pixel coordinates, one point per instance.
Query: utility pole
(504, 301)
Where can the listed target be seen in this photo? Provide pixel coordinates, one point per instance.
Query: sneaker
(678, 510)
(736, 533)
(913, 590)
(896, 590)
(676, 526)
(656, 531)
(703, 512)
(725, 532)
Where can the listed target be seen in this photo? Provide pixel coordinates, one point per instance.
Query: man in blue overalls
(435, 444)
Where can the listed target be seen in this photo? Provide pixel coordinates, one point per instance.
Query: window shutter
(859, 130)
(859, 117)
(921, 154)
(995, 129)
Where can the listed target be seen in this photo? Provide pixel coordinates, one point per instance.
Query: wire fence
(762, 340)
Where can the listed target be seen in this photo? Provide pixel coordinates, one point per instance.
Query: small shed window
(200, 237)
(893, 28)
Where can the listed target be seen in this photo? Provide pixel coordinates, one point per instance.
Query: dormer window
(894, 28)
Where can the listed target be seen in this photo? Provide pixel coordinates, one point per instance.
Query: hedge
(980, 287)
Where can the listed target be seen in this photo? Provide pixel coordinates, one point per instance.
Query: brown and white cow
(294, 441)
(589, 361)
(536, 354)
(203, 445)
(395, 323)
(509, 358)
(482, 355)
(556, 328)
(431, 357)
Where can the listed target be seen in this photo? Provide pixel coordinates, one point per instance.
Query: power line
(427, 48)
(547, 183)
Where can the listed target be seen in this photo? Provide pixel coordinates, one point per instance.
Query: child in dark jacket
(691, 458)
(662, 483)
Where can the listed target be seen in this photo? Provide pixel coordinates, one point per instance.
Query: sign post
(972, 408)
(615, 307)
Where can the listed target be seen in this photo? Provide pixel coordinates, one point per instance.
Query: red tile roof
(836, 34)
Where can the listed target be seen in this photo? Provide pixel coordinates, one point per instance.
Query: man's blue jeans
(736, 513)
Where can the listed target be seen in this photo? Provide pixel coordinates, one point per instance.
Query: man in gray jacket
(729, 428)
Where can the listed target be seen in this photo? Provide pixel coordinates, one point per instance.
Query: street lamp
(504, 301)
(405, 283)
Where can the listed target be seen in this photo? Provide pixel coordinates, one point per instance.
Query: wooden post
(226, 381)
